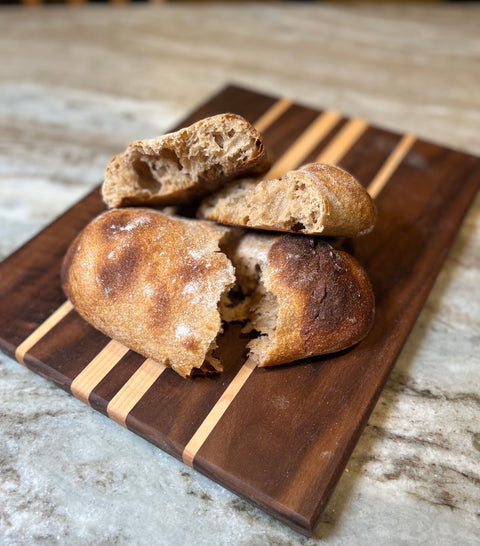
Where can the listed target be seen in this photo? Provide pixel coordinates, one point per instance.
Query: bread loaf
(306, 298)
(159, 284)
(185, 165)
(152, 282)
(316, 199)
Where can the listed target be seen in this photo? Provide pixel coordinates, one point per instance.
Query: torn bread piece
(152, 282)
(305, 297)
(316, 199)
(185, 165)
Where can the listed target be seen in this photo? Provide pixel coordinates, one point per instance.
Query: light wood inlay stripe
(130, 394)
(43, 329)
(388, 168)
(204, 430)
(300, 149)
(272, 114)
(343, 141)
(96, 370)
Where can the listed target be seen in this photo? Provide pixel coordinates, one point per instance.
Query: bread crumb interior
(250, 302)
(212, 364)
(192, 157)
(290, 203)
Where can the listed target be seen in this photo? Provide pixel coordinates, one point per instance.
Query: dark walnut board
(285, 438)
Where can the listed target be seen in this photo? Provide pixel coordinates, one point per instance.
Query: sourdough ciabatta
(152, 282)
(316, 199)
(185, 165)
(305, 297)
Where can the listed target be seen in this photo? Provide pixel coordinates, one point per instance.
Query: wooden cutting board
(278, 437)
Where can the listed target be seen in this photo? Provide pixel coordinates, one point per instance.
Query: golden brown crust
(185, 165)
(317, 199)
(152, 282)
(323, 299)
(350, 211)
(326, 300)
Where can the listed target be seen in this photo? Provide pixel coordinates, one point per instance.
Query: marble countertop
(75, 86)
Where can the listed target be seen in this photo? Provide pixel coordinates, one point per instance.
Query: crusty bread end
(153, 283)
(316, 199)
(308, 298)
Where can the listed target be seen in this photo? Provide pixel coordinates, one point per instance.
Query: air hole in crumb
(219, 139)
(146, 179)
(297, 226)
(168, 155)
